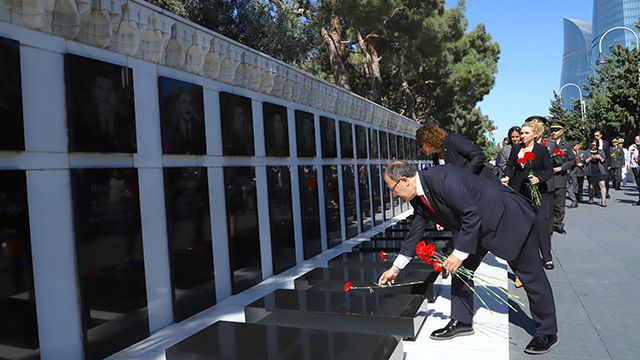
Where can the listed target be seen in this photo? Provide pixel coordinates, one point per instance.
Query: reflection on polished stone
(346, 140)
(365, 204)
(373, 143)
(349, 195)
(100, 108)
(361, 142)
(11, 121)
(368, 259)
(376, 200)
(228, 341)
(236, 121)
(181, 117)
(309, 203)
(392, 246)
(110, 259)
(276, 130)
(189, 236)
(384, 145)
(242, 227)
(328, 137)
(356, 310)
(393, 150)
(18, 321)
(283, 248)
(332, 205)
(306, 134)
(333, 279)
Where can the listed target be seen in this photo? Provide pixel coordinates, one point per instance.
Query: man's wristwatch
(395, 269)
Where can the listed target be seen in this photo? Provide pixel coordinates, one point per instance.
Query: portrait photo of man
(306, 134)
(276, 130)
(100, 107)
(181, 114)
(328, 137)
(361, 141)
(11, 120)
(237, 125)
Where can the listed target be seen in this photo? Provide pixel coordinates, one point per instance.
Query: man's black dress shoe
(573, 205)
(549, 265)
(559, 231)
(637, 204)
(454, 328)
(541, 344)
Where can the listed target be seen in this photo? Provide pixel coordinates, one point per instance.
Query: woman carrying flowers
(528, 169)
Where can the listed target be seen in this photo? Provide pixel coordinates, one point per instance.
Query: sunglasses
(594, 145)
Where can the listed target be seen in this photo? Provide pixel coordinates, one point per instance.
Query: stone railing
(144, 31)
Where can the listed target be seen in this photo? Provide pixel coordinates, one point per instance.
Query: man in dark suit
(483, 216)
(604, 146)
(185, 133)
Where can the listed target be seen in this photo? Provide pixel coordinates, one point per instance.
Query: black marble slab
(370, 260)
(349, 195)
(346, 140)
(332, 205)
(385, 314)
(229, 341)
(392, 247)
(365, 197)
(361, 142)
(376, 198)
(236, 121)
(334, 279)
(393, 150)
(310, 206)
(11, 121)
(181, 117)
(276, 130)
(328, 137)
(306, 134)
(384, 145)
(283, 250)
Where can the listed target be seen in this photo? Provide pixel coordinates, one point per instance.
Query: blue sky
(530, 34)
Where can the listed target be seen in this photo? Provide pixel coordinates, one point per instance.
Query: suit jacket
(541, 166)
(458, 150)
(551, 147)
(87, 134)
(173, 142)
(479, 212)
(607, 154)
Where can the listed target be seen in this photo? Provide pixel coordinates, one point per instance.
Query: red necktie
(426, 202)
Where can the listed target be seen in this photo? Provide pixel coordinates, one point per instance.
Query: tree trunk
(337, 53)
(409, 99)
(371, 67)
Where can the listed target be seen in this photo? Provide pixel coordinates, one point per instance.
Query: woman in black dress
(518, 178)
(594, 161)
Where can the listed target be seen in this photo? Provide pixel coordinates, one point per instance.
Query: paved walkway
(596, 285)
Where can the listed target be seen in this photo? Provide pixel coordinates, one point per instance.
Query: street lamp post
(581, 101)
(601, 59)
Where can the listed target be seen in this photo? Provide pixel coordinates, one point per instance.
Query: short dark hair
(399, 169)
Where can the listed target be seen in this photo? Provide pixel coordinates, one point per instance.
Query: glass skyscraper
(577, 60)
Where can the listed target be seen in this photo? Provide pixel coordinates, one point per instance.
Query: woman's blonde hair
(431, 135)
(536, 126)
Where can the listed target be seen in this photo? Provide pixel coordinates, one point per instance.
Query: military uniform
(566, 161)
(617, 161)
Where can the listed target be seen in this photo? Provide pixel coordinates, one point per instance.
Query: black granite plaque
(228, 341)
(349, 195)
(110, 259)
(384, 145)
(373, 144)
(242, 227)
(407, 149)
(333, 279)
(328, 137)
(310, 206)
(401, 154)
(283, 249)
(306, 134)
(11, 121)
(181, 117)
(393, 150)
(18, 321)
(100, 107)
(361, 142)
(356, 310)
(376, 199)
(387, 198)
(414, 149)
(365, 202)
(346, 140)
(236, 120)
(189, 236)
(332, 204)
(371, 260)
(276, 130)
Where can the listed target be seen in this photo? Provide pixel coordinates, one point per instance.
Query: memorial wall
(150, 168)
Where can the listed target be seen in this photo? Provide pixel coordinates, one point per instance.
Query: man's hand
(452, 263)
(557, 169)
(439, 227)
(387, 278)
(505, 180)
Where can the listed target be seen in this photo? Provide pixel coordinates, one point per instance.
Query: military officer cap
(621, 140)
(555, 124)
(614, 141)
(536, 118)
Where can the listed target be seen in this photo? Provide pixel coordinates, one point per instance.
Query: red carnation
(544, 142)
(382, 256)
(421, 247)
(347, 286)
(312, 183)
(437, 267)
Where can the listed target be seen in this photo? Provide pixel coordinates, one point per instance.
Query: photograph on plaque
(361, 142)
(18, 320)
(346, 140)
(110, 259)
(332, 205)
(373, 144)
(276, 130)
(306, 134)
(236, 120)
(384, 145)
(189, 239)
(310, 206)
(11, 121)
(408, 149)
(100, 106)
(283, 250)
(181, 117)
(242, 227)
(376, 200)
(328, 137)
(365, 202)
(349, 194)
(400, 144)
(393, 147)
